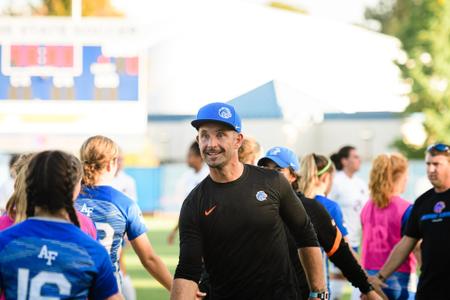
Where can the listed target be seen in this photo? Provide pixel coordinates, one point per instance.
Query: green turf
(148, 288)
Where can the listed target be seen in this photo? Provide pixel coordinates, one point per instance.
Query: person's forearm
(397, 256)
(183, 289)
(158, 269)
(344, 259)
(311, 258)
(115, 297)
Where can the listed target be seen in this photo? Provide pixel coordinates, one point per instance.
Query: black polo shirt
(238, 228)
(430, 221)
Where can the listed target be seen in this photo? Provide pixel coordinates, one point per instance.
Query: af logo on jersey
(86, 210)
(49, 255)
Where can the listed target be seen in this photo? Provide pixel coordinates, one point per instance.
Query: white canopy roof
(216, 50)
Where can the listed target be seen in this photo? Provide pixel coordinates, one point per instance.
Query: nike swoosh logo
(209, 211)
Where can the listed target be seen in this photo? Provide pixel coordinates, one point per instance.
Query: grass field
(148, 288)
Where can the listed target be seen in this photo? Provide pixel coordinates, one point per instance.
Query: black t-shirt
(430, 221)
(331, 241)
(238, 228)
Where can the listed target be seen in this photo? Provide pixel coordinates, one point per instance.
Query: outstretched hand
(378, 285)
(200, 295)
(373, 295)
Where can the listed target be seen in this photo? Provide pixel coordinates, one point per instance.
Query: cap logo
(439, 207)
(275, 151)
(261, 196)
(225, 113)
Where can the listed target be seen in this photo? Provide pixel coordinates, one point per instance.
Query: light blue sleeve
(339, 219)
(135, 222)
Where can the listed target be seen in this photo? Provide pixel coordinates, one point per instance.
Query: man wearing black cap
(233, 220)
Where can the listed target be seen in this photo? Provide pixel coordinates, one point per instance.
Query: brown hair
(386, 171)
(50, 183)
(311, 165)
(16, 207)
(249, 151)
(337, 157)
(95, 154)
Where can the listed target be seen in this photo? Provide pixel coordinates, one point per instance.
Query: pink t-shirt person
(381, 232)
(86, 224)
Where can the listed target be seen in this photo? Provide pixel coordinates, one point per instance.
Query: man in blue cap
(234, 222)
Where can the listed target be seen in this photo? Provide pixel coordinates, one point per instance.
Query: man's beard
(220, 160)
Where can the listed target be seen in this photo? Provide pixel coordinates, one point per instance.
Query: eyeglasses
(438, 147)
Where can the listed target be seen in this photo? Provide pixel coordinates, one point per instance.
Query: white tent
(217, 50)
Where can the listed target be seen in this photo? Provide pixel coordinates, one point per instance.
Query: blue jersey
(335, 212)
(113, 214)
(52, 259)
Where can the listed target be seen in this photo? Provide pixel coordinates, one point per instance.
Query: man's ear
(196, 138)
(239, 139)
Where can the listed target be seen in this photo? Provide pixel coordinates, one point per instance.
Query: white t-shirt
(125, 184)
(351, 194)
(6, 190)
(191, 179)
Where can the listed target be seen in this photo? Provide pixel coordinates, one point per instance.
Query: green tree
(423, 27)
(90, 8)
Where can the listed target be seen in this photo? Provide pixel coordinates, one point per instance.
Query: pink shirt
(381, 232)
(86, 224)
(5, 222)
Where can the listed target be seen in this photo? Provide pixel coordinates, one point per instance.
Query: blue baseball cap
(282, 156)
(218, 112)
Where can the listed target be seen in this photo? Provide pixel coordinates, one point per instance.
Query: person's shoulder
(16, 231)
(10, 233)
(328, 203)
(397, 200)
(314, 208)
(424, 197)
(359, 180)
(262, 172)
(314, 204)
(116, 197)
(339, 179)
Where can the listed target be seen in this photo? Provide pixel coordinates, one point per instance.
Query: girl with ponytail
(16, 207)
(315, 177)
(113, 213)
(383, 219)
(54, 252)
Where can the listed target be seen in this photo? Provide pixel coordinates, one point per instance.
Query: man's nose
(212, 141)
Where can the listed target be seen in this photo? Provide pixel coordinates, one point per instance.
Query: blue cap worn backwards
(283, 157)
(218, 112)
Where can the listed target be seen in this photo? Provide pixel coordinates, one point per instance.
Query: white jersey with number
(351, 194)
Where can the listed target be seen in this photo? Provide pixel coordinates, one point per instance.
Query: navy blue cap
(283, 157)
(218, 112)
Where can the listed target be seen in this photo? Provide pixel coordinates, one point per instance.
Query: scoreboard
(38, 58)
(57, 76)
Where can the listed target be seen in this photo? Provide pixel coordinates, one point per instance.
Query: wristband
(366, 288)
(319, 295)
(381, 277)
